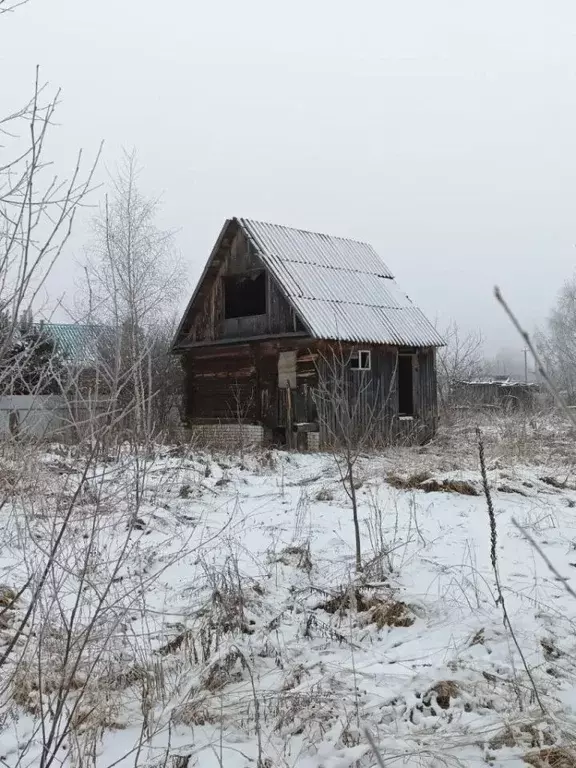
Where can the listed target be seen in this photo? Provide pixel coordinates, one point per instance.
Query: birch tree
(134, 280)
(557, 343)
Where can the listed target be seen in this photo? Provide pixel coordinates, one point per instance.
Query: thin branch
(550, 565)
(6, 8)
(375, 749)
(537, 359)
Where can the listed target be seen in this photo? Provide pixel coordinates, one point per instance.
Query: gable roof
(339, 288)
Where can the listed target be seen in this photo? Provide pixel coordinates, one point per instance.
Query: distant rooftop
(76, 342)
(498, 381)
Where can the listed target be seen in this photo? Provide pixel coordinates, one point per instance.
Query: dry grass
(511, 489)
(383, 611)
(296, 556)
(441, 693)
(422, 481)
(8, 596)
(552, 757)
(324, 494)
(226, 669)
(412, 482)
(543, 439)
(524, 734)
(9, 480)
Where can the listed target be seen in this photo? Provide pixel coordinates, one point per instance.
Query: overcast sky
(441, 131)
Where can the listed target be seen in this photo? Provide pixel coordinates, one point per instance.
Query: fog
(440, 132)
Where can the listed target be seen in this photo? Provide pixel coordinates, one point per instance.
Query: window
(361, 360)
(406, 385)
(245, 295)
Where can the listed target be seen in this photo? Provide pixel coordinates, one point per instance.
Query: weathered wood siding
(236, 256)
(221, 384)
(365, 403)
(359, 404)
(240, 383)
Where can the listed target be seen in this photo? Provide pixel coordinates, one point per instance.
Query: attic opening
(245, 295)
(406, 385)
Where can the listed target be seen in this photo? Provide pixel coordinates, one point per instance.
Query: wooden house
(305, 336)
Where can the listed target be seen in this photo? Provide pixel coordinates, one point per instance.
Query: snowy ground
(229, 630)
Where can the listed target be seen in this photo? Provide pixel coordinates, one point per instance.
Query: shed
(295, 332)
(496, 391)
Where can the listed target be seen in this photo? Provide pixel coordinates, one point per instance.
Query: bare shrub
(353, 420)
(459, 360)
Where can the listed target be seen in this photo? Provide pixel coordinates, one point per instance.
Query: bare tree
(37, 208)
(134, 271)
(460, 359)
(134, 277)
(557, 344)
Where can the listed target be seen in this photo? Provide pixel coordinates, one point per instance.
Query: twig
(537, 359)
(494, 560)
(491, 516)
(260, 761)
(377, 755)
(551, 567)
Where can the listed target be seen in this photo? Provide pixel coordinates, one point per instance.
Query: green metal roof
(77, 343)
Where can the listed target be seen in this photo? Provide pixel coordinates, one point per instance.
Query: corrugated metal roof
(340, 288)
(78, 343)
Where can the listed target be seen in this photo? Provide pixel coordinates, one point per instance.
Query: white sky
(441, 131)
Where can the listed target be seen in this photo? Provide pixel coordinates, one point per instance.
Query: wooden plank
(289, 419)
(306, 426)
(287, 369)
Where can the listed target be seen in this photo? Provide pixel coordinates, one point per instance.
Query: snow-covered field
(206, 606)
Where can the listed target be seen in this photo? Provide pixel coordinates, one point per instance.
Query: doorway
(406, 385)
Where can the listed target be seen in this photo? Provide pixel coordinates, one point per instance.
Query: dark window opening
(405, 385)
(245, 295)
(361, 361)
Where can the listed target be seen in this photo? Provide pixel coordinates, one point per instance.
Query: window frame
(357, 357)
